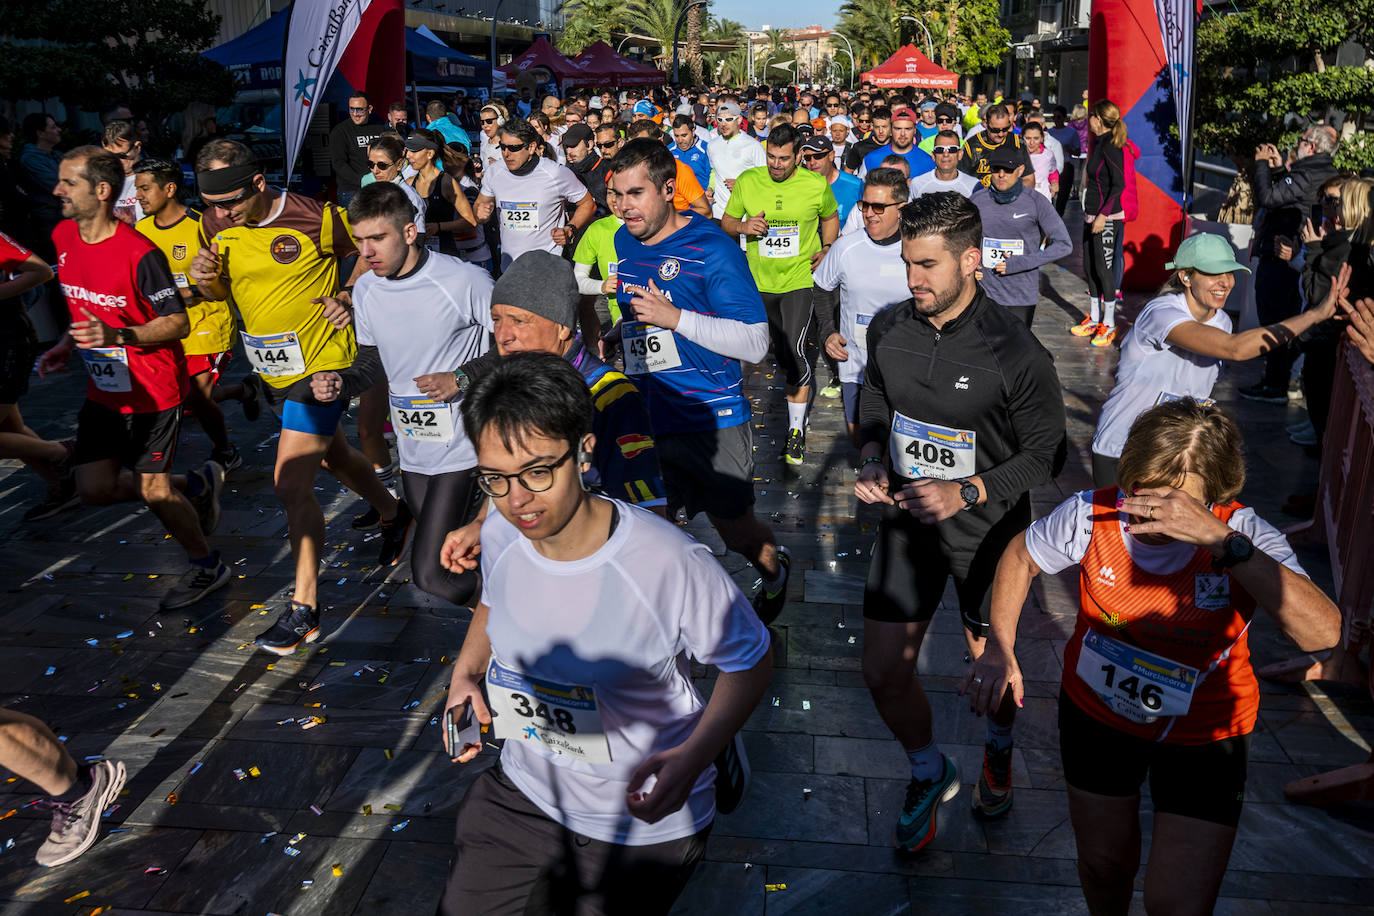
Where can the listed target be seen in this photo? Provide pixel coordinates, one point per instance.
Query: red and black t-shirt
(13, 318)
(125, 282)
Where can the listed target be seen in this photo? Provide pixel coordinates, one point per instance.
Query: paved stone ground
(172, 693)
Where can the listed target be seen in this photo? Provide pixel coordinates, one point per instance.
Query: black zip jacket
(1288, 196)
(984, 372)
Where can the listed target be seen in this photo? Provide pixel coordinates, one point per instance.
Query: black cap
(804, 130)
(818, 143)
(945, 109)
(1006, 157)
(578, 133)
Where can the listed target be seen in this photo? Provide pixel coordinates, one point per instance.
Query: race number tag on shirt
(274, 355)
(861, 323)
(432, 242)
(108, 367)
(1136, 684)
(781, 242)
(995, 250)
(1166, 396)
(649, 348)
(422, 418)
(562, 717)
(520, 215)
(180, 280)
(920, 449)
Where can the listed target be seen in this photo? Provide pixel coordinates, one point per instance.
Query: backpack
(1130, 200)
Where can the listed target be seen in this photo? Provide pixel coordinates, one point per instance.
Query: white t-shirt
(729, 159)
(929, 184)
(870, 278)
(416, 201)
(1060, 540)
(623, 622)
(433, 320)
(1152, 370)
(127, 207)
(530, 206)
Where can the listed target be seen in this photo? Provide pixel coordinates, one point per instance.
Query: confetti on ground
(367, 809)
(400, 826)
(172, 799)
(291, 851)
(154, 870)
(387, 751)
(318, 812)
(50, 672)
(777, 701)
(196, 766)
(806, 793)
(775, 887)
(92, 642)
(267, 836)
(307, 883)
(337, 869)
(806, 704)
(392, 807)
(125, 635)
(75, 897)
(254, 772)
(296, 839)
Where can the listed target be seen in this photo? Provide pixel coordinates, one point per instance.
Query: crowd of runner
(548, 308)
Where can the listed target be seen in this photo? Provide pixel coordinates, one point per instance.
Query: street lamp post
(850, 52)
(930, 45)
(677, 29)
(495, 14)
(622, 43)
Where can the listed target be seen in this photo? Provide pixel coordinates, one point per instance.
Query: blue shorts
(299, 411)
(849, 391)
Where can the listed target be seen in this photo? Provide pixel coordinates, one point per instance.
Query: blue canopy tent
(434, 66)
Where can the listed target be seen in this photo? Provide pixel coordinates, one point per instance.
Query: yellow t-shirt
(273, 270)
(212, 324)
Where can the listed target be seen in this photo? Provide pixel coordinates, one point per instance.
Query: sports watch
(124, 336)
(1237, 548)
(968, 492)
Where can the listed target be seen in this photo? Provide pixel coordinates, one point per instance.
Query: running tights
(441, 503)
(1100, 255)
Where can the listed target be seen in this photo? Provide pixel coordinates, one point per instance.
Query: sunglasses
(865, 121)
(996, 130)
(514, 147)
(944, 149)
(609, 144)
(878, 209)
(488, 120)
(812, 157)
(376, 166)
(944, 120)
(357, 110)
(1332, 199)
(230, 202)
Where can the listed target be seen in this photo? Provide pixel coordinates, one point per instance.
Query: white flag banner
(1178, 28)
(317, 33)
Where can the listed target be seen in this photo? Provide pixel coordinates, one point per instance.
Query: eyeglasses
(376, 166)
(996, 130)
(488, 120)
(609, 144)
(878, 209)
(535, 479)
(865, 121)
(230, 203)
(1332, 199)
(513, 147)
(813, 157)
(944, 119)
(357, 110)
(937, 150)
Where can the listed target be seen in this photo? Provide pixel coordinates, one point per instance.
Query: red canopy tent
(542, 55)
(603, 67)
(909, 67)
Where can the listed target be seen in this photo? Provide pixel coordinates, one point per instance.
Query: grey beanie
(542, 283)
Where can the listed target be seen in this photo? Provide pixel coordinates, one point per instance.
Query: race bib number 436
(918, 449)
(649, 348)
(563, 718)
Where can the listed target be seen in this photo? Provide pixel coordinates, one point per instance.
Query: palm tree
(589, 20)
(732, 65)
(870, 25)
(657, 19)
(692, 53)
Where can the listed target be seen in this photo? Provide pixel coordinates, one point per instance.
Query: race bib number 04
(649, 348)
(274, 355)
(1136, 684)
(918, 449)
(861, 323)
(781, 242)
(421, 418)
(108, 368)
(562, 718)
(520, 215)
(996, 250)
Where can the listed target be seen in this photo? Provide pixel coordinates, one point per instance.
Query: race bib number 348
(918, 449)
(563, 718)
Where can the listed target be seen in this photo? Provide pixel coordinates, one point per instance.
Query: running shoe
(251, 399)
(75, 825)
(368, 520)
(769, 604)
(297, 624)
(1085, 328)
(732, 775)
(992, 794)
(395, 534)
(794, 453)
(917, 824)
(60, 497)
(206, 501)
(195, 584)
(1266, 394)
(831, 391)
(1103, 336)
(1307, 435)
(230, 460)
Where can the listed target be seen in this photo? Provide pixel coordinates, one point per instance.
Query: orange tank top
(1148, 643)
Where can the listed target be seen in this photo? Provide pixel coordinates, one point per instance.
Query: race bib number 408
(562, 718)
(918, 449)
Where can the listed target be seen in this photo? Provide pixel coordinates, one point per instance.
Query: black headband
(228, 179)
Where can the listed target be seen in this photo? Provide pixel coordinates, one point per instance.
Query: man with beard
(960, 415)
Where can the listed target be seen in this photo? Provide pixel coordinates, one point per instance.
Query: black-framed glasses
(513, 147)
(376, 166)
(878, 209)
(937, 150)
(1333, 200)
(535, 479)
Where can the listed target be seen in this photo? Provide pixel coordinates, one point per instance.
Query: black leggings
(441, 502)
(789, 325)
(1099, 258)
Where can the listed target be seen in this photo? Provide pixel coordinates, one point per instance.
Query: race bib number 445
(563, 718)
(781, 242)
(918, 449)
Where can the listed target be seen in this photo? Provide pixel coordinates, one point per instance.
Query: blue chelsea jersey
(700, 269)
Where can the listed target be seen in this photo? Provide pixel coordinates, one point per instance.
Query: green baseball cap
(1208, 253)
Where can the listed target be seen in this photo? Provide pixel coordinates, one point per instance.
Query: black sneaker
(1264, 393)
(230, 460)
(61, 497)
(395, 534)
(768, 605)
(992, 793)
(195, 584)
(297, 624)
(251, 399)
(368, 521)
(793, 451)
(206, 500)
(732, 775)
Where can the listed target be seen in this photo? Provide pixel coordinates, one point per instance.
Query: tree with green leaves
(657, 19)
(967, 37)
(588, 21)
(93, 53)
(1269, 71)
(732, 66)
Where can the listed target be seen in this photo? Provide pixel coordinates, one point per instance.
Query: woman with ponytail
(451, 224)
(1104, 180)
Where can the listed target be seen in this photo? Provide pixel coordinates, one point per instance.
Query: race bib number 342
(421, 418)
(562, 718)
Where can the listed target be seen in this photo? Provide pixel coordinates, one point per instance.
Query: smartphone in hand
(462, 728)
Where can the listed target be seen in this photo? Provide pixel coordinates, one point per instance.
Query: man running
(692, 315)
(960, 415)
(903, 143)
(529, 194)
(689, 148)
(730, 153)
(946, 175)
(175, 229)
(604, 793)
(880, 133)
(780, 209)
(127, 323)
(278, 253)
(818, 153)
(974, 160)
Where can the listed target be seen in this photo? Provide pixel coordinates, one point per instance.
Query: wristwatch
(124, 336)
(968, 492)
(1237, 548)
(460, 378)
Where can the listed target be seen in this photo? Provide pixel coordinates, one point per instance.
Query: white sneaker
(75, 825)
